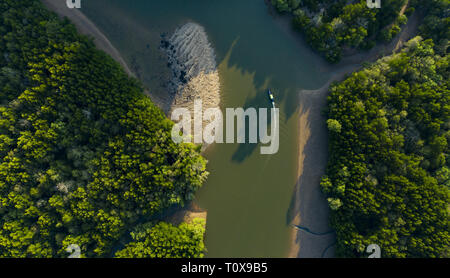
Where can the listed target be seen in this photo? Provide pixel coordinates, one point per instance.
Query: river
(247, 194)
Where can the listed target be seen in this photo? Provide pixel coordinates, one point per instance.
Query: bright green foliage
(387, 178)
(333, 25)
(334, 125)
(164, 240)
(83, 153)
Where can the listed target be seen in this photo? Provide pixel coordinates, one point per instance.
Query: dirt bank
(309, 208)
(88, 28)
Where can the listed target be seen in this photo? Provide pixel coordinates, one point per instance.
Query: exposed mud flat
(192, 61)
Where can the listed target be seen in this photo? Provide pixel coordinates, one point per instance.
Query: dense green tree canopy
(84, 154)
(164, 240)
(436, 23)
(333, 25)
(388, 173)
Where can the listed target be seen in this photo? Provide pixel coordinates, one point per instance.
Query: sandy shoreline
(86, 27)
(310, 208)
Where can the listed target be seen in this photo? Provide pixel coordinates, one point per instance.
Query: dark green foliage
(164, 240)
(333, 25)
(436, 24)
(83, 153)
(388, 173)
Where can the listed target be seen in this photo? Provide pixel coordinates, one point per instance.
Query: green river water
(247, 194)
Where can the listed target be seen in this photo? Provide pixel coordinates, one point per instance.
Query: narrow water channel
(247, 195)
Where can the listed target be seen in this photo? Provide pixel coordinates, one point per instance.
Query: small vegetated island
(388, 175)
(84, 155)
(335, 26)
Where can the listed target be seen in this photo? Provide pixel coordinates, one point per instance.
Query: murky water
(247, 195)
